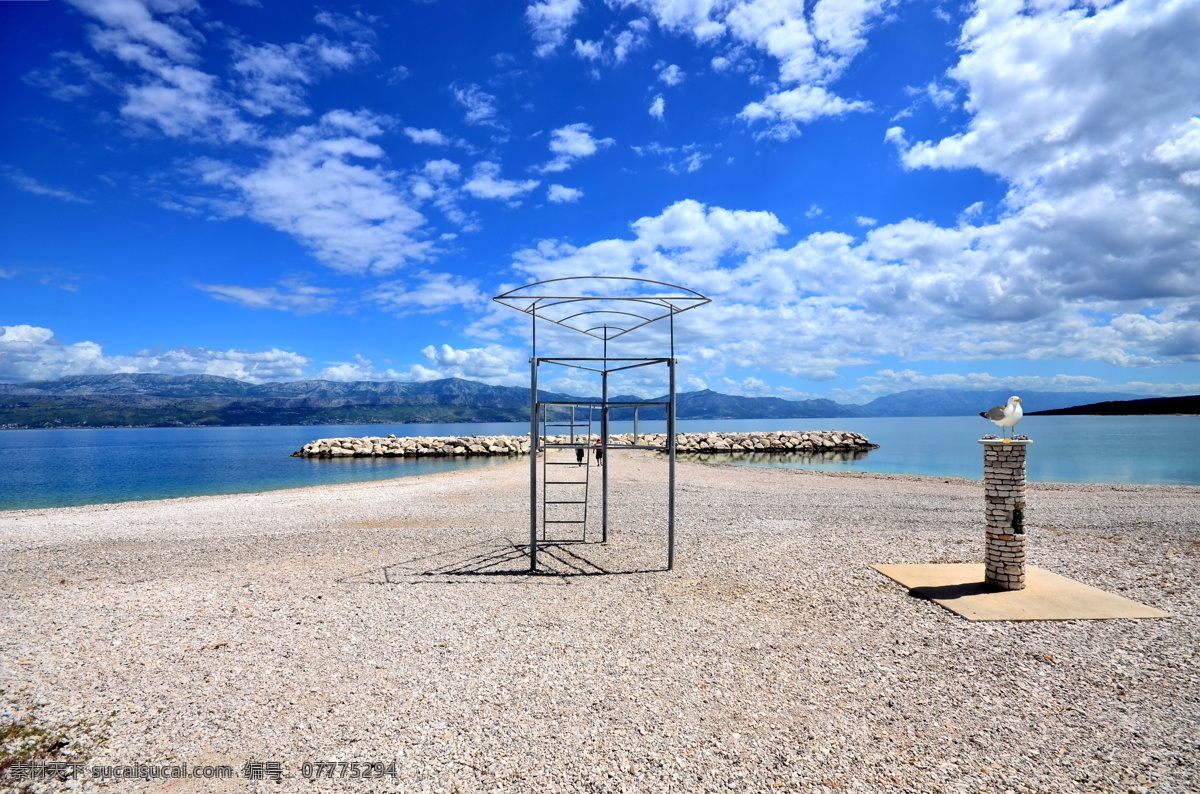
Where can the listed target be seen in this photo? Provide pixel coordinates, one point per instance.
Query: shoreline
(523, 461)
(393, 620)
(691, 458)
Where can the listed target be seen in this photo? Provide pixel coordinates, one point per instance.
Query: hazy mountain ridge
(144, 400)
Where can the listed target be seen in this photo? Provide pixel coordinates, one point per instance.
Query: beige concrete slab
(960, 588)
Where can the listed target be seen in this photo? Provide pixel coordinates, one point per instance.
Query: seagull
(1005, 415)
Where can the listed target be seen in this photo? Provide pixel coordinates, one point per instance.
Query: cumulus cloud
(812, 47)
(353, 217)
(486, 184)
(560, 194)
(572, 143)
(671, 74)
(1096, 158)
(658, 107)
(359, 369)
(33, 353)
(909, 289)
(784, 110)
(495, 364)
(429, 136)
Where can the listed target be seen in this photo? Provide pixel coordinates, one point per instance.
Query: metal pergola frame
(605, 316)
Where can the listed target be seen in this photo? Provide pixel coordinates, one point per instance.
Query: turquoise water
(56, 468)
(1148, 450)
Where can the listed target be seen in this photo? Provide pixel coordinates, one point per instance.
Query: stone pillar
(1004, 510)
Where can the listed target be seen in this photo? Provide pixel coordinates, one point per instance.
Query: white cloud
(274, 77)
(291, 296)
(485, 184)
(480, 105)
(615, 47)
(784, 109)
(684, 159)
(495, 364)
(173, 94)
(863, 220)
(671, 75)
(560, 194)
(429, 136)
(436, 181)
(812, 47)
(888, 381)
(909, 289)
(550, 20)
(572, 143)
(32, 353)
(658, 107)
(359, 369)
(353, 217)
(31, 185)
(436, 292)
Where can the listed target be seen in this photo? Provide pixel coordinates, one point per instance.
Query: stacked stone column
(1004, 509)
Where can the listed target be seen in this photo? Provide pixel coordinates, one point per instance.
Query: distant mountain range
(207, 400)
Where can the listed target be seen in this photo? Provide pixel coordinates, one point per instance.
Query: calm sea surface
(56, 468)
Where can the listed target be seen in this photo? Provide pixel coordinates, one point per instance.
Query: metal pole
(604, 460)
(671, 470)
(635, 433)
(533, 445)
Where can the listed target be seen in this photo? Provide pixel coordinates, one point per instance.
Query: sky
(877, 195)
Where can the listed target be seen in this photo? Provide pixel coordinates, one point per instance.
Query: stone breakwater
(450, 446)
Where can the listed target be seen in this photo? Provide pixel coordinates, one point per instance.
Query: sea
(65, 467)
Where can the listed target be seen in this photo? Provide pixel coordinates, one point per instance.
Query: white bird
(1006, 415)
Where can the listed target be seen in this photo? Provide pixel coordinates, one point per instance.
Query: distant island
(1153, 406)
(145, 400)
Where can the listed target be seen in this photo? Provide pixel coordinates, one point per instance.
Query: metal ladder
(565, 482)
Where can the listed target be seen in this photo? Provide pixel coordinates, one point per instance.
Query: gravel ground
(395, 621)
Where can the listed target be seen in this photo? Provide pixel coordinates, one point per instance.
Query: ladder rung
(564, 522)
(565, 503)
(563, 463)
(565, 482)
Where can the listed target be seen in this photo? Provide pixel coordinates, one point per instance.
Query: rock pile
(417, 446)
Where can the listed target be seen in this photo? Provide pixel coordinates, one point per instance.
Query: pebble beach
(395, 622)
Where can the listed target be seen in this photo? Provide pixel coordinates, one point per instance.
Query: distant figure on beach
(599, 452)
(579, 454)
(1005, 415)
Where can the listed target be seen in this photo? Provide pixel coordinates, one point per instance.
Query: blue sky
(877, 195)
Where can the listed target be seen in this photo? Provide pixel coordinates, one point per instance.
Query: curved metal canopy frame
(604, 308)
(552, 301)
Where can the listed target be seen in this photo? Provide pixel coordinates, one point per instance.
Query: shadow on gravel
(496, 561)
(948, 591)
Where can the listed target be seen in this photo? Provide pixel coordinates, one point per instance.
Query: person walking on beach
(599, 452)
(579, 454)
